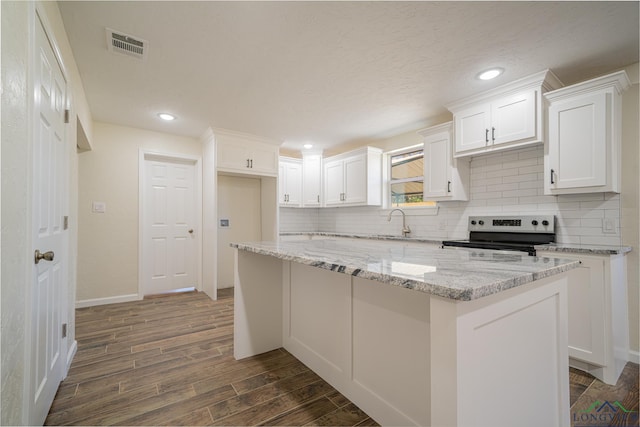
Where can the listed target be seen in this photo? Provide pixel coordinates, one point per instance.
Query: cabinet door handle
(552, 173)
(448, 186)
(486, 135)
(251, 162)
(493, 134)
(248, 163)
(318, 198)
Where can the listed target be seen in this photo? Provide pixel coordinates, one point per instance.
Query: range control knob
(481, 222)
(473, 222)
(534, 222)
(545, 222)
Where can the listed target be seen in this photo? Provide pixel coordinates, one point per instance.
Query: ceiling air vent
(120, 42)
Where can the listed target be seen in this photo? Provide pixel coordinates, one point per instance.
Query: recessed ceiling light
(166, 116)
(308, 146)
(490, 74)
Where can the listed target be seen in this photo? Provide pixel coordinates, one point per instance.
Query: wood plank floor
(169, 361)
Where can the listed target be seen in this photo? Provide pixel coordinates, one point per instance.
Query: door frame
(144, 155)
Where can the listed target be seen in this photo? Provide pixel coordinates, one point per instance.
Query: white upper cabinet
(584, 141)
(445, 178)
(506, 117)
(312, 180)
(354, 178)
(290, 182)
(246, 154)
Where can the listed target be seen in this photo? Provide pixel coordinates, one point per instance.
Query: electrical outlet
(608, 225)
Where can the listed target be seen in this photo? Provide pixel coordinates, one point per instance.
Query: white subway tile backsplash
(501, 183)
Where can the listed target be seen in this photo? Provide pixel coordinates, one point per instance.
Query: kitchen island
(412, 333)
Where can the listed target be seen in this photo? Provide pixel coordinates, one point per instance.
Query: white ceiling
(330, 72)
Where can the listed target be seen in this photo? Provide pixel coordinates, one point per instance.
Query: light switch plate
(224, 223)
(98, 207)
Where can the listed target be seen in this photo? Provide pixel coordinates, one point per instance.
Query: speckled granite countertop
(575, 248)
(459, 274)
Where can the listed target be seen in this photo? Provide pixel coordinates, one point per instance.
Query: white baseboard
(70, 354)
(634, 356)
(108, 300)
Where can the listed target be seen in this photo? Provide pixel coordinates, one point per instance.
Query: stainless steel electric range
(508, 233)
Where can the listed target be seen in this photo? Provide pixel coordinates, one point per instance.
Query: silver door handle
(47, 256)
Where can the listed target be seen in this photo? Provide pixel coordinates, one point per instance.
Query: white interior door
(169, 252)
(49, 237)
(239, 202)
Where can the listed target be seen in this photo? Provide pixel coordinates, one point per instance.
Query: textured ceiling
(330, 72)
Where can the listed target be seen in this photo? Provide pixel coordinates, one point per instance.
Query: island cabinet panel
(257, 304)
(406, 356)
(391, 330)
(319, 314)
(535, 326)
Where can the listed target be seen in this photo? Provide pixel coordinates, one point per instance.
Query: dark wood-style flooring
(169, 361)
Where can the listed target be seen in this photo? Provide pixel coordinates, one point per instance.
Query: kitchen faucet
(405, 228)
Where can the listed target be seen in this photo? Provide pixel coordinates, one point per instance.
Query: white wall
(108, 243)
(15, 194)
(17, 19)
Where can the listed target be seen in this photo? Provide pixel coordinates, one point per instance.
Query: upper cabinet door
(355, 176)
(437, 153)
(577, 142)
(445, 178)
(244, 154)
(583, 147)
(334, 181)
(513, 118)
(502, 118)
(312, 180)
(472, 128)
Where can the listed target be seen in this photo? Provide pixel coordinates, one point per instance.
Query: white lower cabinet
(598, 322)
(445, 178)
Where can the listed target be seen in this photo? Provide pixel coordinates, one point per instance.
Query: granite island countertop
(454, 273)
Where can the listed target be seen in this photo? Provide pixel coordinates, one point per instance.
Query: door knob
(191, 231)
(47, 256)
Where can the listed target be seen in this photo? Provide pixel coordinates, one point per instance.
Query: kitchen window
(406, 178)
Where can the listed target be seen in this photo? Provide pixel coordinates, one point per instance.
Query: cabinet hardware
(486, 135)
(318, 198)
(248, 163)
(448, 186)
(493, 134)
(251, 163)
(552, 180)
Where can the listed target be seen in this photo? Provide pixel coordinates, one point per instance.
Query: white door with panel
(49, 235)
(169, 247)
